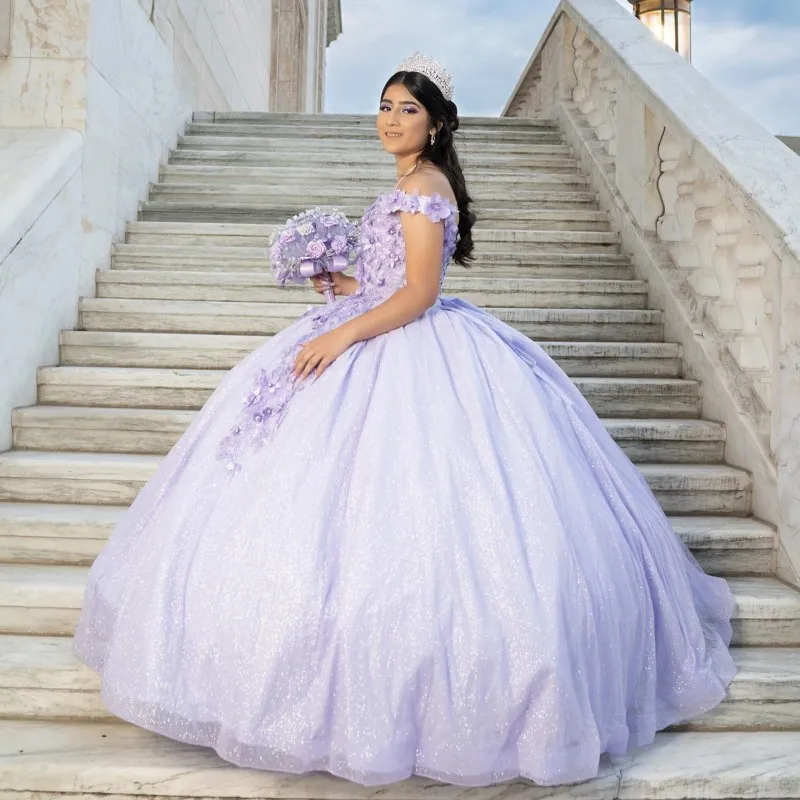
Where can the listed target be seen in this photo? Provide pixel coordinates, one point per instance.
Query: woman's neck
(406, 163)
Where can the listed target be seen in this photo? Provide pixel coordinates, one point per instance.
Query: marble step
(296, 118)
(348, 133)
(74, 534)
(45, 600)
(223, 351)
(115, 479)
(42, 533)
(380, 175)
(369, 183)
(308, 158)
(232, 234)
(40, 679)
(185, 284)
(131, 387)
(40, 599)
(95, 760)
(514, 245)
(278, 210)
(126, 430)
(764, 694)
(558, 194)
(546, 263)
(542, 144)
(487, 242)
(185, 316)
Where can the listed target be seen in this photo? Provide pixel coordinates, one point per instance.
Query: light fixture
(669, 20)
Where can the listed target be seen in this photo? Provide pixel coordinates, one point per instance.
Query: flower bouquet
(315, 242)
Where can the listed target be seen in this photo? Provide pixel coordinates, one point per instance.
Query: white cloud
(757, 67)
(486, 51)
(486, 44)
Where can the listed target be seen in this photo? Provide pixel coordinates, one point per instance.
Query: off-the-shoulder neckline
(419, 196)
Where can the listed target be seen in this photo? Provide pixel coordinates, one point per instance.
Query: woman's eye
(385, 108)
(410, 110)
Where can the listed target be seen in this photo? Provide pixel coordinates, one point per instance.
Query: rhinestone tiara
(430, 69)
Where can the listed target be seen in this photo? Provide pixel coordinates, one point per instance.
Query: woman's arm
(424, 243)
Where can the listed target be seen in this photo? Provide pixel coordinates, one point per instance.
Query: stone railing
(708, 203)
(40, 230)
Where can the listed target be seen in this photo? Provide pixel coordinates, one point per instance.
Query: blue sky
(748, 48)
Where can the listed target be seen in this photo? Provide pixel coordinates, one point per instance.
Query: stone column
(289, 55)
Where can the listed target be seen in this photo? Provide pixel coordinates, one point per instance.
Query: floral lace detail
(380, 272)
(382, 249)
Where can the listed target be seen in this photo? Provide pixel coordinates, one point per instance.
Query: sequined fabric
(439, 562)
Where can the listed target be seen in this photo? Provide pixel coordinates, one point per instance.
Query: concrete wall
(102, 87)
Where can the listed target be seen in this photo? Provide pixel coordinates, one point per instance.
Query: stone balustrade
(708, 204)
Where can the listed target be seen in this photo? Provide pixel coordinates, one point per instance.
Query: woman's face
(404, 125)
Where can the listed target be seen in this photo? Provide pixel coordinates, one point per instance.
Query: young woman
(398, 541)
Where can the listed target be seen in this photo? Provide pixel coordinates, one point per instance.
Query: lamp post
(669, 20)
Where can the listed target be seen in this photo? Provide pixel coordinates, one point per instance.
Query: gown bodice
(381, 264)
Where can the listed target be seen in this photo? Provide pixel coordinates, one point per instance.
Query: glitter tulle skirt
(439, 564)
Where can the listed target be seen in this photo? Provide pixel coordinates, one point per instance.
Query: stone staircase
(190, 293)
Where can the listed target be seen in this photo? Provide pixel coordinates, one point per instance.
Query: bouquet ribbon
(308, 268)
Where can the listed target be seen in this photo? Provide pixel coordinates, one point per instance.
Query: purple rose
(286, 236)
(339, 244)
(330, 220)
(315, 249)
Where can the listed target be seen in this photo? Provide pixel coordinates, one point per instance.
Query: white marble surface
(115, 759)
(39, 240)
(42, 81)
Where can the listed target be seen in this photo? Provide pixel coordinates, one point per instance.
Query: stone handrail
(702, 181)
(40, 228)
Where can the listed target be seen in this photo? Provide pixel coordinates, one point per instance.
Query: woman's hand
(318, 354)
(342, 284)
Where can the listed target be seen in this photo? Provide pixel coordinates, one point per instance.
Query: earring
(433, 139)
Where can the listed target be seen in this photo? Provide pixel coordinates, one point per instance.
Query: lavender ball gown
(432, 560)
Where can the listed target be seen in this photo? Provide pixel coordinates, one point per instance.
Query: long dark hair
(443, 152)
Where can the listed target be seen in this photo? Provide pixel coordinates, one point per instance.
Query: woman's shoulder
(429, 182)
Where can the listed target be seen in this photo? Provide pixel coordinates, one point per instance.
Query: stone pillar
(289, 55)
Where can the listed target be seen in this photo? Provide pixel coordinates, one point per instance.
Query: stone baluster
(730, 268)
(668, 226)
(756, 273)
(604, 96)
(583, 52)
(709, 222)
(596, 90)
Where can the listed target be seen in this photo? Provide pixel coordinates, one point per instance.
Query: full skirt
(438, 563)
